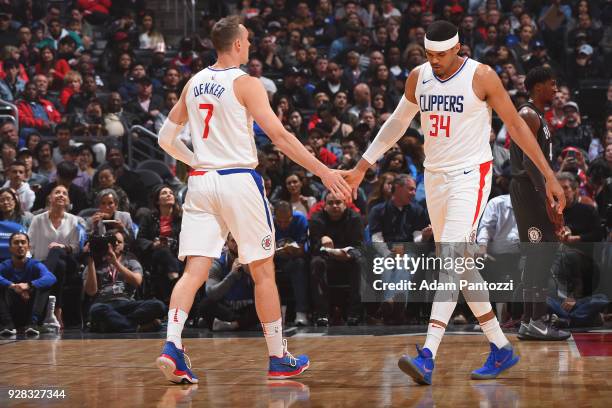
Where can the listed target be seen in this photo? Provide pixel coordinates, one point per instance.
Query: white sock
(176, 321)
(273, 332)
(434, 337)
(494, 333)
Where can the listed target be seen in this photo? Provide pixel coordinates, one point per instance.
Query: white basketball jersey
(456, 123)
(221, 128)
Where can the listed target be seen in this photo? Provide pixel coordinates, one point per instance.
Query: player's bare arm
(251, 93)
(488, 86)
(169, 132)
(391, 131)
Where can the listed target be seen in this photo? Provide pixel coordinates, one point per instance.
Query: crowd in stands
(104, 244)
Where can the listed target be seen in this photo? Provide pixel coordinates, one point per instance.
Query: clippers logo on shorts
(535, 235)
(266, 243)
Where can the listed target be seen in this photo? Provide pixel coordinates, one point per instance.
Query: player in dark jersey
(537, 220)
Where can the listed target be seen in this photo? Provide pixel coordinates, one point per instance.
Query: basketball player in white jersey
(226, 194)
(454, 96)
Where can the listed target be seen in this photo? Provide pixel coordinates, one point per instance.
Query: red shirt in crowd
(165, 226)
(91, 6)
(26, 115)
(61, 68)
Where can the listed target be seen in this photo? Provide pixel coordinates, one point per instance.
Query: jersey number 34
(208, 108)
(439, 123)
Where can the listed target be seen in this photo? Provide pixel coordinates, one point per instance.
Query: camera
(98, 245)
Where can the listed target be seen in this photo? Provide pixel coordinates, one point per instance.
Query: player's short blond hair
(225, 32)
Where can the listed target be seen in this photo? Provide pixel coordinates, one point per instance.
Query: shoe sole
(511, 364)
(167, 367)
(525, 337)
(409, 368)
(537, 337)
(294, 374)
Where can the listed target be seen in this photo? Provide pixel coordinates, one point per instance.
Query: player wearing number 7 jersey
(454, 96)
(226, 194)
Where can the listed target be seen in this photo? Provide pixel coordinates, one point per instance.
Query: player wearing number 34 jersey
(454, 96)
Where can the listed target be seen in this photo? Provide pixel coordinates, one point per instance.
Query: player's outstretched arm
(497, 97)
(168, 134)
(390, 132)
(252, 94)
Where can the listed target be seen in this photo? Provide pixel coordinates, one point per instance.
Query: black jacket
(347, 231)
(149, 230)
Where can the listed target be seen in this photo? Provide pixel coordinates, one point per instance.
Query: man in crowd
(17, 181)
(291, 233)
(36, 113)
(336, 235)
(230, 302)
(25, 284)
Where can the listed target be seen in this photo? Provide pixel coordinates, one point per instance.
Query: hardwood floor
(346, 371)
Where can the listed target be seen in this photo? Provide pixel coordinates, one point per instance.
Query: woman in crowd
(149, 37)
(104, 179)
(292, 191)
(72, 85)
(157, 241)
(108, 217)
(282, 106)
(379, 103)
(10, 209)
(55, 69)
(297, 126)
(32, 140)
(54, 239)
(393, 161)
(121, 70)
(381, 191)
(86, 160)
(44, 160)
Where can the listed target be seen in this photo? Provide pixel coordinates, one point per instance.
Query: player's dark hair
(225, 32)
(538, 75)
(441, 31)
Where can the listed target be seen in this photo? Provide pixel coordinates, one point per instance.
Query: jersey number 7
(208, 107)
(439, 122)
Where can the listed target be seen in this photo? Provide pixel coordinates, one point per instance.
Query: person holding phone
(108, 217)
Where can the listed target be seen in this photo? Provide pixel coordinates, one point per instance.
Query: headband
(440, 46)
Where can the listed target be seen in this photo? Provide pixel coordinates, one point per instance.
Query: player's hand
(336, 184)
(555, 195)
(353, 178)
(556, 219)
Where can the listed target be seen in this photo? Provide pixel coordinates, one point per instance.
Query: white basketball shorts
(456, 201)
(222, 201)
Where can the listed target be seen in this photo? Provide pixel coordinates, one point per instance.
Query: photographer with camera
(111, 278)
(157, 241)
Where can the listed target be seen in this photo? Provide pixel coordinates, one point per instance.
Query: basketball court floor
(351, 367)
